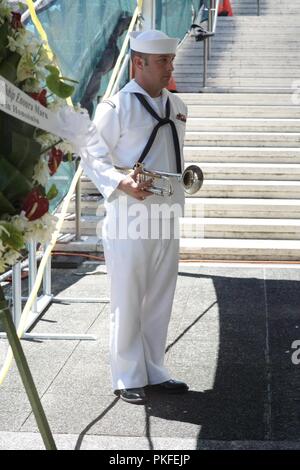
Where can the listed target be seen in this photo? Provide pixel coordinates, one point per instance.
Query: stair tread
(240, 243)
(239, 221)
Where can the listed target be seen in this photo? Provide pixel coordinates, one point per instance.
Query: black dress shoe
(171, 386)
(132, 395)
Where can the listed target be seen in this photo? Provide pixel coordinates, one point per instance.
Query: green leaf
(14, 239)
(52, 193)
(3, 36)
(8, 68)
(53, 70)
(5, 206)
(59, 88)
(12, 183)
(66, 79)
(25, 154)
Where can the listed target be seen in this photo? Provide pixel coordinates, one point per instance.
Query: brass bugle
(191, 179)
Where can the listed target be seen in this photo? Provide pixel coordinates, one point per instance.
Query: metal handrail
(213, 9)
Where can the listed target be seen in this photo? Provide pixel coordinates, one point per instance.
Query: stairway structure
(244, 132)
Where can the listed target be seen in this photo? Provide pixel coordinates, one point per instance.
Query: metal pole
(205, 54)
(78, 205)
(209, 27)
(258, 8)
(26, 376)
(16, 293)
(47, 277)
(32, 272)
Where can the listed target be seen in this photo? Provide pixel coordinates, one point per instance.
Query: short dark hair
(142, 55)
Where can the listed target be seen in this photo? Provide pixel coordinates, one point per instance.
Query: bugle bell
(191, 179)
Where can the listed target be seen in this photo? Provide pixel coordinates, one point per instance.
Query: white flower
(41, 230)
(25, 68)
(11, 257)
(31, 85)
(41, 172)
(20, 222)
(12, 44)
(46, 139)
(65, 147)
(2, 264)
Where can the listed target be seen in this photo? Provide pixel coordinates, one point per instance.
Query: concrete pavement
(231, 338)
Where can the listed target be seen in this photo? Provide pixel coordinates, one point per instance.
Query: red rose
(16, 22)
(55, 159)
(41, 97)
(35, 205)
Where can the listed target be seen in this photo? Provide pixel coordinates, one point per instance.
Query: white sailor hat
(153, 42)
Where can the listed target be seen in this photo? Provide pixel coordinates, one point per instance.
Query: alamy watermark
(155, 221)
(295, 358)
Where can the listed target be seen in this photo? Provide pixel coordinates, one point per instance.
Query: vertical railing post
(32, 271)
(210, 22)
(258, 8)
(16, 294)
(205, 56)
(78, 204)
(47, 277)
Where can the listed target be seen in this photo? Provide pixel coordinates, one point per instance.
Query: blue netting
(175, 17)
(62, 180)
(86, 37)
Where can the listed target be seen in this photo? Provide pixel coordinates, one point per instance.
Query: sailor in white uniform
(142, 123)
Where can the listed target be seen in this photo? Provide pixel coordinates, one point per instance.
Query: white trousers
(142, 275)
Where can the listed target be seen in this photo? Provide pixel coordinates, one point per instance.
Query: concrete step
(249, 139)
(221, 88)
(195, 72)
(263, 90)
(196, 81)
(235, 249)
(223, 61)
(90, 225)
(243, 125)
(254, 111)
(242, 42)
(238, 53)
(230, 154)
(270, 3)
(239, 99)
(230, 67)
(208, 249)
(241, 208)
(191, 227)
(250, 189)
(236, 44)
(235, 188)
(251, 171)
(87, 244)
(283, 19)
(240, 228)
(220, 207)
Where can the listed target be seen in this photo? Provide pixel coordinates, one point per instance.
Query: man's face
(158, 68)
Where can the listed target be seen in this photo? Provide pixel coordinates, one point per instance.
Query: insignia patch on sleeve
(181, 117)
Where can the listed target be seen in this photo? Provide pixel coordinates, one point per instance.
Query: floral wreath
(28, 155)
